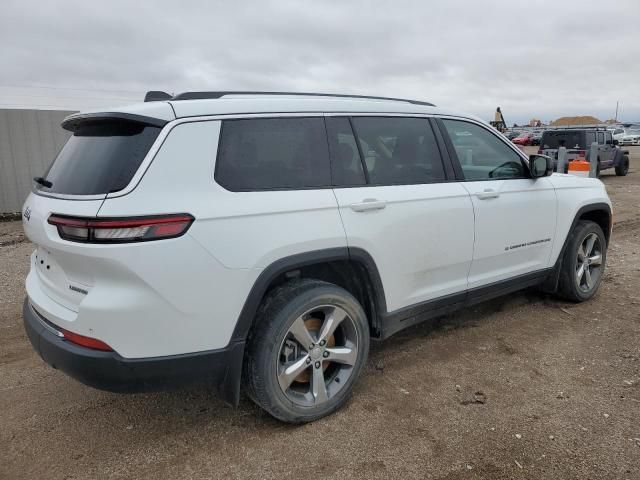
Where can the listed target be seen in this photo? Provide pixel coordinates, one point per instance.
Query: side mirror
(616, 142)
(540, 166)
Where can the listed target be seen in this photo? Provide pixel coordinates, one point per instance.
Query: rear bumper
(109, 371)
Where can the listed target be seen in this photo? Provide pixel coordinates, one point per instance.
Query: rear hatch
(101, 157)
(554, 139)
(572, 140)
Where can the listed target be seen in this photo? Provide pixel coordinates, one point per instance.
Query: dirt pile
(583, 120)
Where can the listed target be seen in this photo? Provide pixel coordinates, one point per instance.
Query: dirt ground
(525, 386)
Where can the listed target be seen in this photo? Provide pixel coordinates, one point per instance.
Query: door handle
(488, 193)
(368, 204)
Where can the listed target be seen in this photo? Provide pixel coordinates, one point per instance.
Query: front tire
(306, 351)
(583, 262)
(623, 167)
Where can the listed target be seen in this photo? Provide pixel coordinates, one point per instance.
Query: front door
(515, 215)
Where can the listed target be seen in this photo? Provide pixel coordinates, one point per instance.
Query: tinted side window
(398, 150)
(608, 137)
(482, 155)
(273, 153)
(346, 166)
(100, 157)
(591, 137)
(600, 138)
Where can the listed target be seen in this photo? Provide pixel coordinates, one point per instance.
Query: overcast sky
(538, 59)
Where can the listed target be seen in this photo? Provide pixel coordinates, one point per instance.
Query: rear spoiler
(157, 96)
(72, 121)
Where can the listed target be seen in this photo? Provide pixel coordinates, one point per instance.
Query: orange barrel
(579, 167)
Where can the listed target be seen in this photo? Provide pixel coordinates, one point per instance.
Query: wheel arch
(599, 213)
(350, 268)
(619, 157)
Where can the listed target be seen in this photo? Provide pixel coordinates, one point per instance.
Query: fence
(29, 141)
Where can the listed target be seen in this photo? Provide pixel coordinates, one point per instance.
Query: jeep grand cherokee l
(261, 240)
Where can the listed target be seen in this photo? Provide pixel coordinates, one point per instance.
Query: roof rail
(209, 95)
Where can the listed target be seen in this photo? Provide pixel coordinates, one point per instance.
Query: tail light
(83, 341)
(539, 151)
(121, 230)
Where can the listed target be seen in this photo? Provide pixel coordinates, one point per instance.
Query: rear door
(398, 204)
(609, 149)
(515, 215)
(602, 148)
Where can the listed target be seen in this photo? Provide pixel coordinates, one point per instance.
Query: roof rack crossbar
(212, 95)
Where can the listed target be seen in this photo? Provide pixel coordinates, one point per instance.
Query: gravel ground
(525, 386)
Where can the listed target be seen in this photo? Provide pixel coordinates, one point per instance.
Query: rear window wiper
(43, 181)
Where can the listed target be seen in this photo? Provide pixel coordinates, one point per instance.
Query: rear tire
(623, 168)
(306, 350)
(583, 262)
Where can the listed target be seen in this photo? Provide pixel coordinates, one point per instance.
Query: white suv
(262, 239)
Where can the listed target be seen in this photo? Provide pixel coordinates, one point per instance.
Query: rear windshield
(100, 157)
(561, 139)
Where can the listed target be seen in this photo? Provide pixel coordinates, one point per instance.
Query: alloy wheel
(317, 355)
(589, 263)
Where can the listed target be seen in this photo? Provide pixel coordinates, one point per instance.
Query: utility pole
(616, 111)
